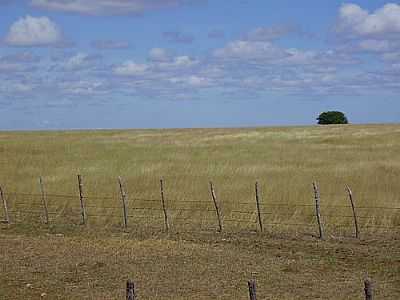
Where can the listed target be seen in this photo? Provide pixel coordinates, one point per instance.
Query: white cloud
(178, 63)
(84, 87)
(355, 21)
(130, 68)
(359, 30)
(155, 68)
(106, 7)
(31, 31)
(193, 80)
(14, 88)
(374, 45)
(79, 61)
(391, 56)
(159, 55)
(241, 49)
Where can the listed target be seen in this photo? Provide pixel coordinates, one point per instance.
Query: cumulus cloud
(130, 68)
(79, 61)
(159, 64)
(84, 87)
(193, 81)
(177, 63)
(374, 45)
(107, 7)
(358, 30)
(110, 44)
(355, 21)
(159, 55)
(249, 50)
(32, 31)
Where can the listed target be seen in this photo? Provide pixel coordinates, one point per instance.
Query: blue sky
(196, 63)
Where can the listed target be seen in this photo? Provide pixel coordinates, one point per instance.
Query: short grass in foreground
(91, 265)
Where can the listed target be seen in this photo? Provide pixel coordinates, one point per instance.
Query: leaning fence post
(214, 198)
(44, 200)
(6, 215)
(368, 289)
(130, 290)
(163, 205)
(81, 198)
(354, 211)
(123, 198)
(317, 210)
(258, 208)
(252, 289)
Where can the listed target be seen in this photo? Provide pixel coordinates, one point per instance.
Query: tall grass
(285, 161)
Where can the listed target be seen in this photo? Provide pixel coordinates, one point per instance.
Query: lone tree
(332, 117)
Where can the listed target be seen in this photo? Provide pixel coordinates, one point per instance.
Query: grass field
(194, 262)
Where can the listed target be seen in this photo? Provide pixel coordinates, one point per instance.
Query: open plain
(66, 260)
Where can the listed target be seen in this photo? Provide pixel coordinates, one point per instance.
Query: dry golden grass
(284, 160)
(67, 261)
(86, 265)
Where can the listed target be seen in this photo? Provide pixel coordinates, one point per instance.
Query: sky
(81, 64)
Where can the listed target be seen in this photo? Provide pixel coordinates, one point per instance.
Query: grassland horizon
(285, 161)
(68, 261)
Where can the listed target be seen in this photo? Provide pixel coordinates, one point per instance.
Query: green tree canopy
(332, 117)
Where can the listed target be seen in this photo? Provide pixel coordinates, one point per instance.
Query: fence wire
(145, 208)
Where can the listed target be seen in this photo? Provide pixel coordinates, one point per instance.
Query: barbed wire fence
(208, 214)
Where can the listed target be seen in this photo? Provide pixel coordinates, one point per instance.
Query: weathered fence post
(123, 198)
(354, 211)
(318, 210)
(44, 200)
(368, 289)
(5, 207)
(130, 290)
(214, 198)
(163, 205)
(252, 289)
(258, 208)
(81, 198)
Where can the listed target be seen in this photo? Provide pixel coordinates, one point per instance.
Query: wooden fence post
(123, 198)
(354, 211)
(130, 290)
(44, 200)
(258, 208)
(5, 207)
(318, 210)
(252, 289)
(368, 289)
(81, 198)
(214, 198)
(163, 205)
